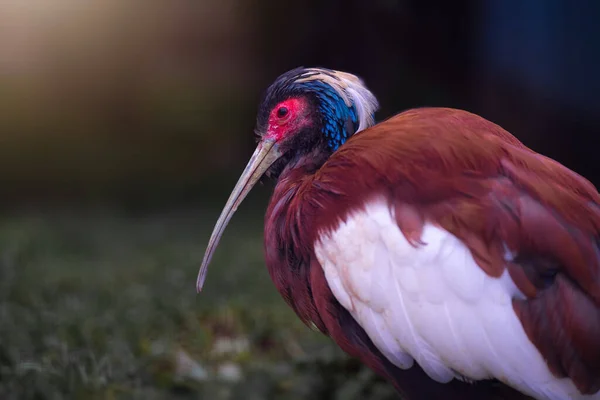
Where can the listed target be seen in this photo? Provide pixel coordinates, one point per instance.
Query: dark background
(147, 101)
(124, 124)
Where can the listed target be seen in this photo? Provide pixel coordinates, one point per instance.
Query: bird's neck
(304, 165)
(287, 237)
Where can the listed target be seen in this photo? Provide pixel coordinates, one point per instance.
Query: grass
(103, 305)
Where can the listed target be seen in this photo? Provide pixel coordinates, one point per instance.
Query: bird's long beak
(264, 156)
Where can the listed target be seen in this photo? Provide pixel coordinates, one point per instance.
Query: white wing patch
(433, 304)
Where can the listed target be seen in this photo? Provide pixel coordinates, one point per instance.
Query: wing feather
(521, 215)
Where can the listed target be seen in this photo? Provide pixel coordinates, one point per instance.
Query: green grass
(103, 305)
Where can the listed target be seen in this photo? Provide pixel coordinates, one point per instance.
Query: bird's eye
(282, 112)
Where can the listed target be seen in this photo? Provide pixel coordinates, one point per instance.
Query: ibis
(434, 246)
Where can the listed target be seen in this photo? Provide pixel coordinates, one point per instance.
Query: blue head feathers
(345, 104)
(339, 120)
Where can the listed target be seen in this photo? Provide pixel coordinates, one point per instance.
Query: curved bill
(264, 156)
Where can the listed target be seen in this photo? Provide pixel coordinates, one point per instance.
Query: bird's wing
(444, 236)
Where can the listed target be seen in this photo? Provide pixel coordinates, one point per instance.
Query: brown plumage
(477, 181)
(456, 171)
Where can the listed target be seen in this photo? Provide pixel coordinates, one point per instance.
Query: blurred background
(125, 123)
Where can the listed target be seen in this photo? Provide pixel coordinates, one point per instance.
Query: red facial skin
(281, 125)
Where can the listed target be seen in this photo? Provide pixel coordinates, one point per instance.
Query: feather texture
(350, 88)
(520, 215)
(434, 304)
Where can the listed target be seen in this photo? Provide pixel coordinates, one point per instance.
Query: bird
(433, 246)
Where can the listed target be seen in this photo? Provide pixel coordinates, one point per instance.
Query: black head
(306, 111)
(313, 107)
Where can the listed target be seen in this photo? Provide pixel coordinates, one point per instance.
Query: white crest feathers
(350, 88)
